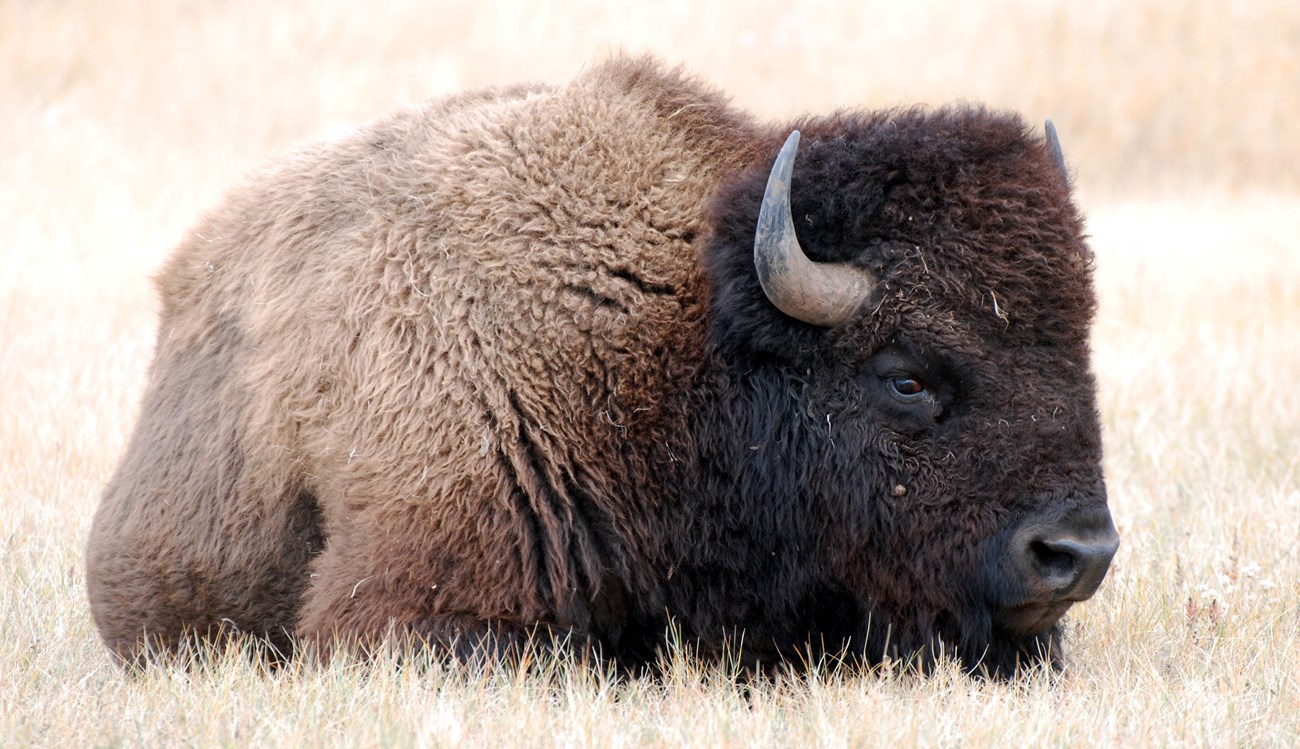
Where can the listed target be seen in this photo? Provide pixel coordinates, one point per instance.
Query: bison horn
(823, 294)
(1054, 150)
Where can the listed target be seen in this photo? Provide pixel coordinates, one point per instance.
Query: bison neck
(740, 570)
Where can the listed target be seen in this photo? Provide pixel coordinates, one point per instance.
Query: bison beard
(502, 366)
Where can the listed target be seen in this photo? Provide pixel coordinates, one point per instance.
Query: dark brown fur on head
(501, 365)
(985, 280)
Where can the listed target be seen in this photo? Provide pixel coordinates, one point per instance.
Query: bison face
(948, 465)
(986, 515)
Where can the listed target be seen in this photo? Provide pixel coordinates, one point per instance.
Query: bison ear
(822, 294)
(1054, 150)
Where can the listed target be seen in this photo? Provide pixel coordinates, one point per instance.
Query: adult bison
(583, 360)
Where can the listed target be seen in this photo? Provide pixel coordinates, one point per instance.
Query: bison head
(916, 311)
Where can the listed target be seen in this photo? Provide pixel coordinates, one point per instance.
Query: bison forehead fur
(500, 367)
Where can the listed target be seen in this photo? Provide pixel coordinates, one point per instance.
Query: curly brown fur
(501, 362)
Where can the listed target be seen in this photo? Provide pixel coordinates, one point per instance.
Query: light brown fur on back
(415, 359)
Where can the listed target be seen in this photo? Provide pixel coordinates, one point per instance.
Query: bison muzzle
(599, 359)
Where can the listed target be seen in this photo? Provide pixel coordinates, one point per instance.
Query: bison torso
(501, 364)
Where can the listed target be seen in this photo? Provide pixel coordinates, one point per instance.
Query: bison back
(424, 374)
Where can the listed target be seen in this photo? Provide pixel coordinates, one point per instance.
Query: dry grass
(124, 119)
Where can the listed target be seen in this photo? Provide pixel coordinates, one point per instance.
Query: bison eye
(911, 388)
(906, 389)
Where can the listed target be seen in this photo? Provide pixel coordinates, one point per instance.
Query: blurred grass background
(131, 115)
(138, 98)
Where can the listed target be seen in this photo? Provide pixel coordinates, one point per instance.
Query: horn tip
(1054, 150)
(791, 141)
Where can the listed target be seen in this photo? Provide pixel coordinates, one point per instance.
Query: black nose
(1067, 562)
(1072, 568)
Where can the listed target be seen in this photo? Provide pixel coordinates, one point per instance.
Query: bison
(612, 358)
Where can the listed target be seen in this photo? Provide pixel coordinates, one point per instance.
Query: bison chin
(984, 648)
(1008, 656)
(1030, 620)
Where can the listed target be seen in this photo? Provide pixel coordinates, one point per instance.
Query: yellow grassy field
(123, 119)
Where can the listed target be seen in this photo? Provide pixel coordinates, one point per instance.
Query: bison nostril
(1053, 560)
(1071, 567)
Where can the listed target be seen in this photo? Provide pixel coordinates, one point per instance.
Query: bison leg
(199, 532)
(463, 638)
(370, 592)
(380, 623)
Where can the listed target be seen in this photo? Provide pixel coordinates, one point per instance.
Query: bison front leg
(370, 593)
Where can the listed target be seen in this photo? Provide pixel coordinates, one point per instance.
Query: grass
(125, 119)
